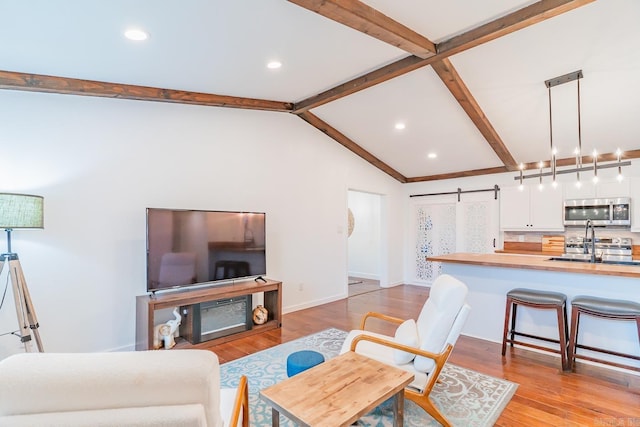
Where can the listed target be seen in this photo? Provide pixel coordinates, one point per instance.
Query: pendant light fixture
(574, 76)
(620, 177)
(579, 148)
(552, 163)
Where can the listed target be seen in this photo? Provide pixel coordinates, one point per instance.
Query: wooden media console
(146, 306)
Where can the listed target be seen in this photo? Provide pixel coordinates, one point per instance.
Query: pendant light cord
(552, 163)
(579, 158)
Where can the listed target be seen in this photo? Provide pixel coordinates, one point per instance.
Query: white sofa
(145, 388)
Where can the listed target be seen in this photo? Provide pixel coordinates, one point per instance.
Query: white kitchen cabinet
(601, 190)
(634, 193)
(531, 209)
(586, 191)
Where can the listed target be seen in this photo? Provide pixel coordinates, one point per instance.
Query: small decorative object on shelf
(260, 315)
(168, 340)
(164, 333)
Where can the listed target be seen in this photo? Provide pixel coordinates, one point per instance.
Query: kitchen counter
(539, 262)
(490, 276)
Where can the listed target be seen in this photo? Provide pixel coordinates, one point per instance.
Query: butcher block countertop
(538, 262)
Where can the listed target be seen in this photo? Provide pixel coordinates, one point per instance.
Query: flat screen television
(194, 247)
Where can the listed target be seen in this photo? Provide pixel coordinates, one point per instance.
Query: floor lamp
(21, 211)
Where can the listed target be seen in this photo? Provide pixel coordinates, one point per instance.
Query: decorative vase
(260, 315)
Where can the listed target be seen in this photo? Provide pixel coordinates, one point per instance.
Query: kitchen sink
(621, 262)
(588, 260)
(562, 258)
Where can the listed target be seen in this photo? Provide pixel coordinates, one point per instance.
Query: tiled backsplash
(536, 237)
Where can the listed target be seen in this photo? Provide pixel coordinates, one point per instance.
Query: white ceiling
(222, 46)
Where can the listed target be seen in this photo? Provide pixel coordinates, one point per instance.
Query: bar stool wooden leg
(507, 315)
(513, 322)
(575, 318)
(562, 330)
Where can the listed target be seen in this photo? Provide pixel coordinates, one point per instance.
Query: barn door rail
(460, 191)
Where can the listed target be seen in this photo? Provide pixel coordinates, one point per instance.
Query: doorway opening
(364, 242)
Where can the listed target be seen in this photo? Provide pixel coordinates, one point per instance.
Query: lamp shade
(21, 211)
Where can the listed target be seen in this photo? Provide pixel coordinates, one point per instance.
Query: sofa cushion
(407, 334)
(382, 354)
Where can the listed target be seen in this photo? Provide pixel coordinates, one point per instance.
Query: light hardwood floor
(591, 396)
(359, 285)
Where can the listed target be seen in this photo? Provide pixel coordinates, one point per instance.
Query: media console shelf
(146, 305)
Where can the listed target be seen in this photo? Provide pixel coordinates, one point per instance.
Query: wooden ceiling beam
(342, 139)
(61, 85)
(521, 18)
(380, 75)
(363, 18)
(569, 161)
(529, 15)
(452, 80)
(462, 174)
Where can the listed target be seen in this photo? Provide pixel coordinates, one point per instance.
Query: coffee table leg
(398, 409)
(275, 417)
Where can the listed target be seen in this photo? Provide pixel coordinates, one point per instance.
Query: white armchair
(421, 347)
(145, 388)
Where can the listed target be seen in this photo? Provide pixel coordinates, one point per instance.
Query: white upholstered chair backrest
(441, 318)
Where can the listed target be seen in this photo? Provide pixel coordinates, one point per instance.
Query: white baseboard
(130, 347)
(424, 284)
(391, 285)
(292, 308)
(364, 275)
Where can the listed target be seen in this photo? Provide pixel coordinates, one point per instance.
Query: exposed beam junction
(507, 24)
(361, 17)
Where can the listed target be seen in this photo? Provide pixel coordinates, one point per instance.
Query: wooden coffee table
(338, 392)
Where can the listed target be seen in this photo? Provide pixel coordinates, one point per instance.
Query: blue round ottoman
(302, 360)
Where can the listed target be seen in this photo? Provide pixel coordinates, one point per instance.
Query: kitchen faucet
(593, 240)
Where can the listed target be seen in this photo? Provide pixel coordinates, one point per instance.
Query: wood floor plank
(591, 396)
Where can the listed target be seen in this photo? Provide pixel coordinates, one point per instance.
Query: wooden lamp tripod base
(27, 320)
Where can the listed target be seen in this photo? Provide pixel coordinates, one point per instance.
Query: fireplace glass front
(219, 318)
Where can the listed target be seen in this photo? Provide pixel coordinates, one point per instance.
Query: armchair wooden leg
(241, 405)
(425, 403)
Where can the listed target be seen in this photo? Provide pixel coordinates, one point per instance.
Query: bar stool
(540, 300)
(606, 309)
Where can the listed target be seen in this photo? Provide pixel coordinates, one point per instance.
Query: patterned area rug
(467, 398)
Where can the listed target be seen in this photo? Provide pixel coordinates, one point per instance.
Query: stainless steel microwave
(601, 212)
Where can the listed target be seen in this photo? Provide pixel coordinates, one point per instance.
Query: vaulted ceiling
(467, 79)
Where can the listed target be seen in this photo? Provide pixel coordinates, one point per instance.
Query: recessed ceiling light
(136, 34)
(274, 65)
(432, 155)
(400, 126)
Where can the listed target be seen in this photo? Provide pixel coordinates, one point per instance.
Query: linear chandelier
(579, 165)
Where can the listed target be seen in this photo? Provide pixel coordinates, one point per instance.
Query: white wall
(364, 242)
(100, 162)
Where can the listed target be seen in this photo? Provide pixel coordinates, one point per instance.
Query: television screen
(191, 247)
